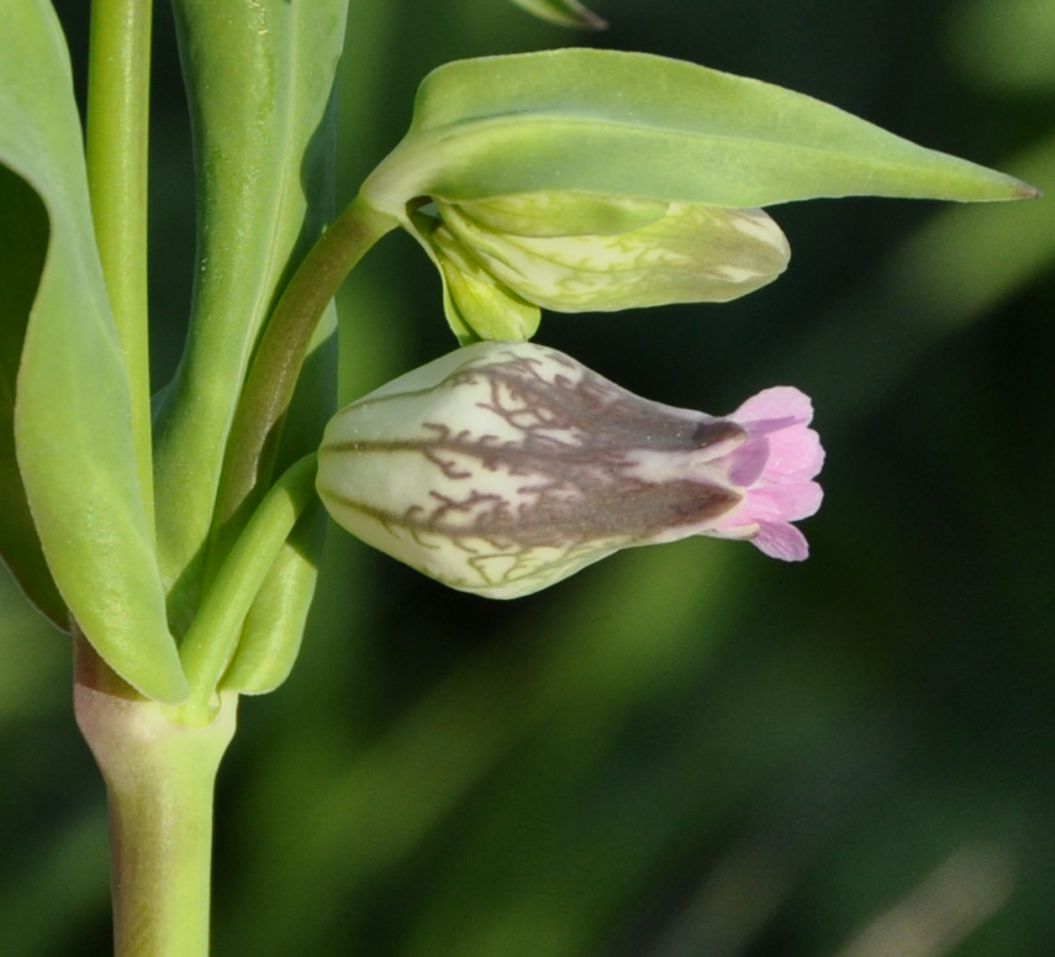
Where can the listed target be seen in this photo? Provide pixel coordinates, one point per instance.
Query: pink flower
(774, 469)
(504, 467)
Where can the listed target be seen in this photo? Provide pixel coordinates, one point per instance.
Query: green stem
(278, 360)
(212, 639)
(160, 776)
(117, 150)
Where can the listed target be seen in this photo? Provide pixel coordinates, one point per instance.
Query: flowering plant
(173, 534)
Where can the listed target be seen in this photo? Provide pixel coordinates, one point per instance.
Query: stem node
(160, 776)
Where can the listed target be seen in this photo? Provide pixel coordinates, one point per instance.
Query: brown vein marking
(599, 415)
(631, 510)
(581, 489)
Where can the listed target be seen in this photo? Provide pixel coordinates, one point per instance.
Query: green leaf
(565, 13)
(259, 79)
(23, 244)
(72, 431)
(630, 124)
(274, 627)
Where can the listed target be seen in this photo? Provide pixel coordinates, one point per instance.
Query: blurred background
(689, 750)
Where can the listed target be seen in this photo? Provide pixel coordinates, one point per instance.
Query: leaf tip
(590, 21)
(1014, 189)
(565, 13)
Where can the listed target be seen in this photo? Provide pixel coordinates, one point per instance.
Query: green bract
(595, 180)
(263, 125)
(631, 124)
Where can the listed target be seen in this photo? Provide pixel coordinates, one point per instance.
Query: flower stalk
(276, 365)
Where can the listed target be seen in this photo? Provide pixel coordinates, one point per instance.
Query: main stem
(117, 153)
(160, 776)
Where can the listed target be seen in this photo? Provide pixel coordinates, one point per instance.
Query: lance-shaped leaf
(631, 124)
(72, 430)
(23, 245)
(274, 627)
(260, 78)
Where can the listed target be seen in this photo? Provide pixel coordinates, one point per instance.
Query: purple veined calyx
(502, 468)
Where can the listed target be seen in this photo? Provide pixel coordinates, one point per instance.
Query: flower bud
(504, 257)
(502, 468)
(477, 305)
(571, 252)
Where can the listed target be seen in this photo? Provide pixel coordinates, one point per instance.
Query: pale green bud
(573, 252)
(476, 304)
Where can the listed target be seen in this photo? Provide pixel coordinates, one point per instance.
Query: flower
(503, 258)
(774, 469)
(502, 468)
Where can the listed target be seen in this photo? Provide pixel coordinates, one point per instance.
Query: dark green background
(686, 751)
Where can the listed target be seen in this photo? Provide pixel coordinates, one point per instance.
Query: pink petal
(781, 540)
(786, 503)
(795, 454)
(774, 468)
(779, 402)
(745, 464)
(781, 414)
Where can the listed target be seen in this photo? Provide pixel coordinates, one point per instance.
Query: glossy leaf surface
(23, 245)
(259, 79)
(72, 430)
(650, 127)
(274, 627)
